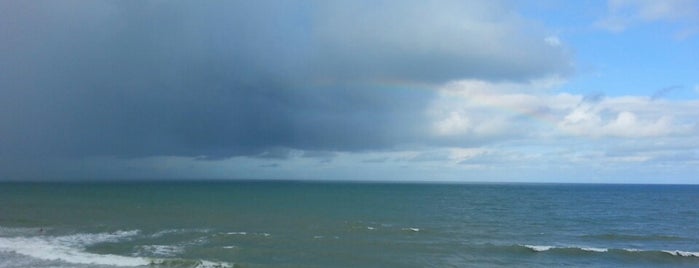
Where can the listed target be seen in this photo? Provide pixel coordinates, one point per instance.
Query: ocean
(315, 224)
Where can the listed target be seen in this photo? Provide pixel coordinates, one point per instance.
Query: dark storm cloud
(220, 79)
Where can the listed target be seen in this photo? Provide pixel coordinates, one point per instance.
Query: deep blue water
(311, 224)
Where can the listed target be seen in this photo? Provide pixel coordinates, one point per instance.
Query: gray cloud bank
(218, 79)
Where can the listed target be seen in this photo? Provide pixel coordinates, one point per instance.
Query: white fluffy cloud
(530, 127)
(507, 110)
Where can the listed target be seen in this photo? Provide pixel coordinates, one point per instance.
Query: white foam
(246, 233)
(46, 250)
(682, 253)
(160, 250)
(71, 248)
(370, 228)
(678, 253)
(81, 240)
(171, 231)
(210, 264)
(411, 229)
(538, 248)
(165, 232)
(595, 249)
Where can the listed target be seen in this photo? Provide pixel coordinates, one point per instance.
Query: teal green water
(304, 224)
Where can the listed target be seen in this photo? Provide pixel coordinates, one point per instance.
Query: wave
(72, 249)
(160, 250)
(538, 248)
(618, 251)
(246, 233)
(179, 231)
(190, 263)
(682, 253)
(547, 248)
(595, 249)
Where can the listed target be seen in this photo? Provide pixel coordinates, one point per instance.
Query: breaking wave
(619, 251)
(71, 249)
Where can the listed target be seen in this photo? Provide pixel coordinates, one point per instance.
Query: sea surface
(312, 224)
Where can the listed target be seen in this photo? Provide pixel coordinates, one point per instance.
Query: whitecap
(160, 250)
(70, 249)
(411, 229)
(179, 231)
(246, 233)
(210, 264)
(538, 248)
(594, 249)
(82, 239)
(166, 232)
(682, 253)
(237, 233)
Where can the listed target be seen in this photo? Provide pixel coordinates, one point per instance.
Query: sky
(458, 91)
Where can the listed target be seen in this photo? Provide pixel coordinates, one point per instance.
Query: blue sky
(537, 91)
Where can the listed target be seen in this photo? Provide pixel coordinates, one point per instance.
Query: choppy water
(298, 224)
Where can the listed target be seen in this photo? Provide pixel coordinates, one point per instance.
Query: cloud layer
(137, 79)
(447, 90)
(491, 110)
